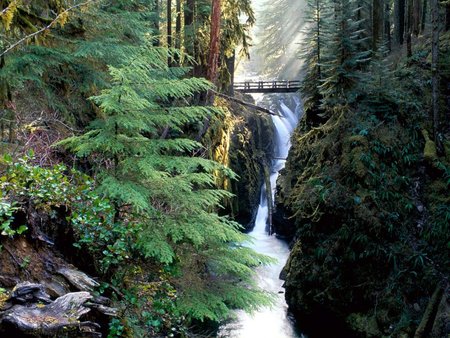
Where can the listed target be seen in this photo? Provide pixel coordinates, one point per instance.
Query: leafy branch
(58, 18)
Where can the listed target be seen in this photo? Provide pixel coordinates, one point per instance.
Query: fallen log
(247, 104)
(78, 279)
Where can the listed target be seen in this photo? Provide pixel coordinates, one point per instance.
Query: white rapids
(271, 322)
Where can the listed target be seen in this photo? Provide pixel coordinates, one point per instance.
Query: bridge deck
(267, 86)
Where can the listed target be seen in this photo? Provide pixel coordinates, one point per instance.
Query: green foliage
(342, 59)
(371, 214)
(6, 216)
(156, 181)
(110, 242)
(66, 67)
(149, 309)
(46, 189)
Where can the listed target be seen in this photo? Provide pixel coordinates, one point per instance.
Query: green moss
(241, 141)
(364, 324)
(447, 151)
(429, 152)
(4, 296)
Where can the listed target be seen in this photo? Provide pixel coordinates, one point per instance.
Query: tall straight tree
(387, 25)
(178, 25)
(417, 8)
(377, 23)
(317, 13)
(169, 23)
(342, 58)
(399, 21)
(408, 27)
(214, 44)
(435, 67)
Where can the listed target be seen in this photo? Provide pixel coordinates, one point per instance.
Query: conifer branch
(50, 25)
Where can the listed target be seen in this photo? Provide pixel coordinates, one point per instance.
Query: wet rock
(79, 279)
(47, 320)
(8, 281)
(29, 293)
(57, 287)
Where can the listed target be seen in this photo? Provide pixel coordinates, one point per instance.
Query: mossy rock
(366, 325)
(430, 151)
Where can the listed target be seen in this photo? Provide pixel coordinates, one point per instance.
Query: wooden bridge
(267, 86)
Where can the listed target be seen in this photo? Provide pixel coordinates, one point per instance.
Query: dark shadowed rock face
(251, 147)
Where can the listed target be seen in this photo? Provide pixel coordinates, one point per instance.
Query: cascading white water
(271, 322)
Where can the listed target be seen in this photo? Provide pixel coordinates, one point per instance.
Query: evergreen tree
(317, 14)
(66, 66)
(156, 181)
(342, 57)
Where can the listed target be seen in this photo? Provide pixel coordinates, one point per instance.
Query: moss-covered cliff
(370, 200)
(243, 142)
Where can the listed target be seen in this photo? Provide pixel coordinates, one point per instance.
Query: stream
(273, 322)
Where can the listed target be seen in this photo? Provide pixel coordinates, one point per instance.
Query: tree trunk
(399, 14)
(435, 68)
(424, 16)
(189, 31)
(318, 39)
(178, 26)
(377, 22)
(169, 23)
(213, 59)
(214, 44)
(408, 29)
(416, 17)
(176, 61)
(5, 91)
(387, 26)
(447, 17)
(230, 67)
(156, 28)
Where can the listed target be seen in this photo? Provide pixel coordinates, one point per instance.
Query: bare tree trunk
(177, 36)
(409, 28)
(387, 26)
(399, 25)
(178, 26)
(230, 61)
(189, 31)
(435, 68)
(214, 44)
(416, 17)
(169, 23)
(377, 22)
(318, 39)
(213, 59)
(156, 28)
(424, 16)
(447, 17)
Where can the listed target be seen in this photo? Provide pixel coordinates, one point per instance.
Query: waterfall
(270, 322)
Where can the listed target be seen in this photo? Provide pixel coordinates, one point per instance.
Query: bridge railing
(250, 85)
